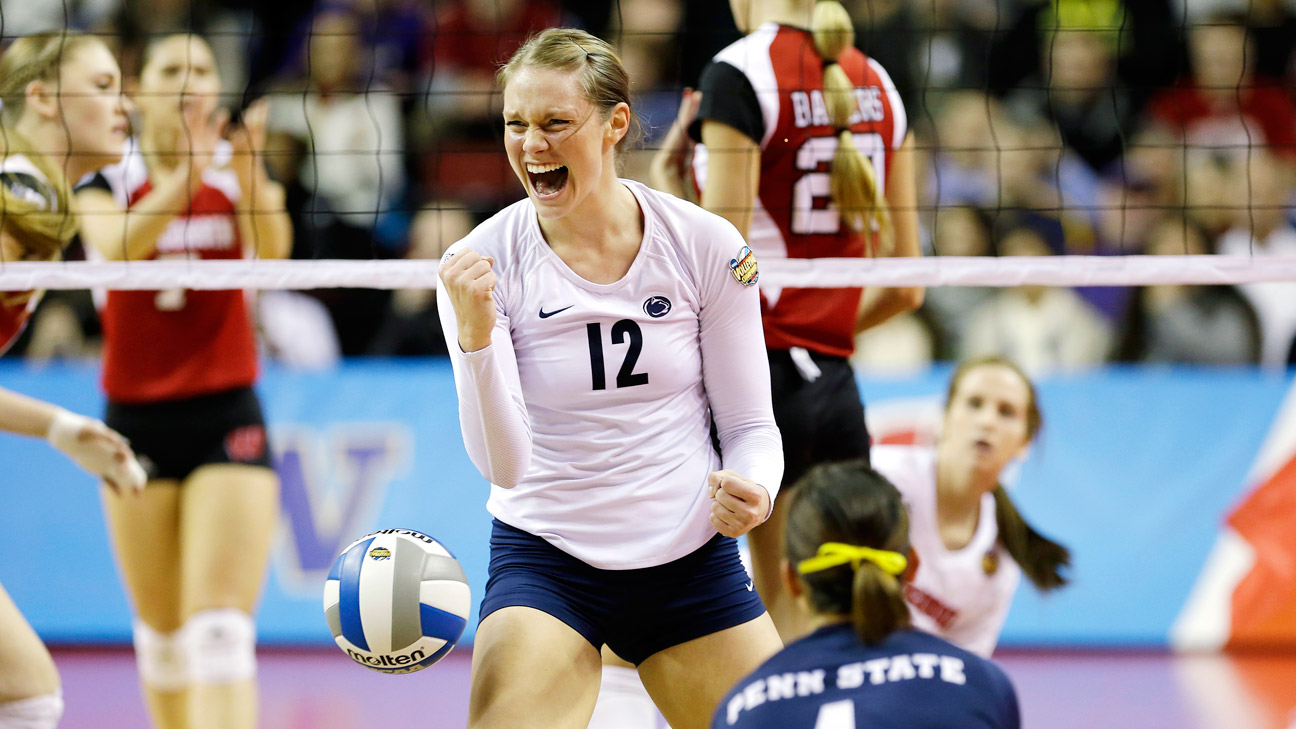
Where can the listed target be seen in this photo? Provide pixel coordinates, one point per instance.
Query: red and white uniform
(15, 308)
(769, 85)
(23, 180)
(168, 345)
(961, 595)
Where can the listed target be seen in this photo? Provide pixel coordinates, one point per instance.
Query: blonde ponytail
(853, 184)
(43, 232)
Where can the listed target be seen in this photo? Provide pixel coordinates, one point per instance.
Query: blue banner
(1135, 470)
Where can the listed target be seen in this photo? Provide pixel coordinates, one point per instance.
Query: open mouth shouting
(547, 180)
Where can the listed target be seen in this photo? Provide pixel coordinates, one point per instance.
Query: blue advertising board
(1136, 471)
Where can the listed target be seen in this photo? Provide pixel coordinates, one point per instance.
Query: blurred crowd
(1047, 127)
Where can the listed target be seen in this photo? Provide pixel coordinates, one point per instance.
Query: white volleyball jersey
(961, 595)
(590, 412)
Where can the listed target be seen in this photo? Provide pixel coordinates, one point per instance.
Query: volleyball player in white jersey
(597, 330)
(62, 116)
(970, 544)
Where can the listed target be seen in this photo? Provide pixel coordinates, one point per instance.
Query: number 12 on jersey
(626, 376)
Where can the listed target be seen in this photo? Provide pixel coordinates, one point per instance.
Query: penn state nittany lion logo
(657, 306)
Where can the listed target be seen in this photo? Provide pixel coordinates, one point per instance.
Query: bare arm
(118, 236)
(24, 415)
(264, 224)
(87, 441)
(733, 173)
(879, 304)
(263, 221)
(670, 166)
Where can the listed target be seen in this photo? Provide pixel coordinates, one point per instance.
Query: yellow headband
(833, 554)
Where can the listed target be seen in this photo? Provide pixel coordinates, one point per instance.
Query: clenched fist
(738, 504)
(469, 280)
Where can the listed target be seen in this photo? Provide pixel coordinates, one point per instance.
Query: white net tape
(800, 273)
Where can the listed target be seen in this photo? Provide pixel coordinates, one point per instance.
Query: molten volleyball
(396, 601)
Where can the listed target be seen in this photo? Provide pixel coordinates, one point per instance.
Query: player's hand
(98, 449)
(671, 163)
(202, 128)
(249, 142)
(469, 280)
(738, 504)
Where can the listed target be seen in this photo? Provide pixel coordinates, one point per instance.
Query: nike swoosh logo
(546, 314)
(749, 587)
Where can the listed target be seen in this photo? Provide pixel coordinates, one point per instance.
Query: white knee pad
(38, 712)
(162, 663)
(220, 646)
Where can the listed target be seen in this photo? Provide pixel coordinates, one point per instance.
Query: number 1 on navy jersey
(836, 715)
(626, 376)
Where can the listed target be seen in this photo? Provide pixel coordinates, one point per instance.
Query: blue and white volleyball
(396, 600)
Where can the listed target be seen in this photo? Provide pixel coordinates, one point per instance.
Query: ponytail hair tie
(829, 62)
(834, 554)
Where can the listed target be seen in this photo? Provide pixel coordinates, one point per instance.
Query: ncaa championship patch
(743, 267)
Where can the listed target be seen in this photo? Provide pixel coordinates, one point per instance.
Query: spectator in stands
(411, 326)
(964, 164)
(1224, 104)
(64, 326)
(34, 17)
(888, 31)
(400, 33)
(997, 161)
(646, 34)
(975, 44)
(473, 38)
(393, 42)
(959, 231)
(1187, 324)
(1077, 88)
(338, 136)
(1261, 228)
(1044, 186)
(1043, 328)
(1149, 185)
(461, 123)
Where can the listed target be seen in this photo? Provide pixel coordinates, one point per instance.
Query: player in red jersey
(179, 367)
(62, 116)
(806, 149)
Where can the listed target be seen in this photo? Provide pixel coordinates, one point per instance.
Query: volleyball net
(1069, 271)
(1058, 143)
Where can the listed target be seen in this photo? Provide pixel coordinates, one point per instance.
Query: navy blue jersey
(912, 680)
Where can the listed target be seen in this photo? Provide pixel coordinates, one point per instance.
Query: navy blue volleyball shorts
(636, 612)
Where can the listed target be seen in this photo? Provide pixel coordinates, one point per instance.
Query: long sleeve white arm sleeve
(492, 412)
(735, 372)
